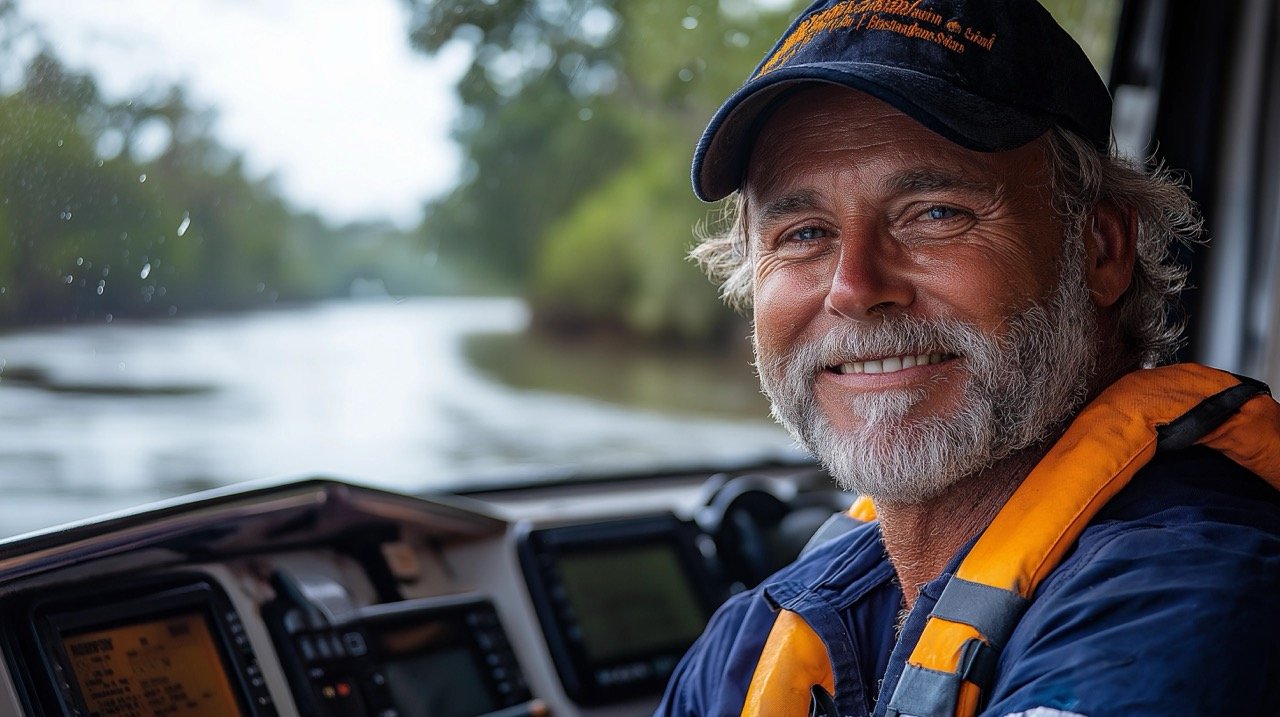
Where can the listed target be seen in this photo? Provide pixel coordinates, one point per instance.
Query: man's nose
(869, 278)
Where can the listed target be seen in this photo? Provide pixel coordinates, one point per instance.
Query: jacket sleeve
(1149, 619)
(712, 678)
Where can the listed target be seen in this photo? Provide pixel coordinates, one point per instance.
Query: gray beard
(1021, 385)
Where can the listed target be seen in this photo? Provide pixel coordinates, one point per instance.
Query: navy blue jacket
(1169, 604)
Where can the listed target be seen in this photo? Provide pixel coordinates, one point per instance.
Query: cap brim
(721, 158)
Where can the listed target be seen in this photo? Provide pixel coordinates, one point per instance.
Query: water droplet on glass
(585, 114)
(142, 178)
(146, 271)
(689, 23)
(173, 310)
(60, 143)
(186, 222)
(79, 261)
(69, 278)
(110, 318)
(686, 75)
(102, 286)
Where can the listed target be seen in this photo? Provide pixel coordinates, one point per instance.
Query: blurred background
(420, 244)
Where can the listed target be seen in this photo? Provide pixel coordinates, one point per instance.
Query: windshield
(419, 244)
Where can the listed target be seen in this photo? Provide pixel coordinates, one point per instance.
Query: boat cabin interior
(572, 598)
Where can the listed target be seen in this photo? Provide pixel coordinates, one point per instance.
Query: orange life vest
(953, 661)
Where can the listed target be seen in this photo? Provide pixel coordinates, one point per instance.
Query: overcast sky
(325, 94)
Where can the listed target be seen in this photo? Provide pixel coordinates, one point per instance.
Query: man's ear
(1110, 244)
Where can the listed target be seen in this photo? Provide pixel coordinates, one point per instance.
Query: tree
(579, 120)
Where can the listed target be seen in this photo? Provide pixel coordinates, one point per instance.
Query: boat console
(325, 598)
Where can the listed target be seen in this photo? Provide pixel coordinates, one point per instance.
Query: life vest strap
(1186, 430)
(1169, 408)
(992, 611)
(922, 691)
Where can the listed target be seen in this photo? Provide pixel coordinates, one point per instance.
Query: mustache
(894, 336)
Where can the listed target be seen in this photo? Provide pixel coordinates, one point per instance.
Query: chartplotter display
(168, 667)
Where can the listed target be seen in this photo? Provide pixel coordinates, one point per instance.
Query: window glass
(422, 244)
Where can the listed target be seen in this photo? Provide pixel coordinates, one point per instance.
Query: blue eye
(807, 234)
(940, 212)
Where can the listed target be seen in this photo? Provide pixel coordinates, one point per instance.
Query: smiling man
(961, 301)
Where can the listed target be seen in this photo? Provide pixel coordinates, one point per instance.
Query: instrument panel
(167, 648)
(325, 598)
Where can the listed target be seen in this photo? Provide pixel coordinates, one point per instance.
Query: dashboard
(322, 597)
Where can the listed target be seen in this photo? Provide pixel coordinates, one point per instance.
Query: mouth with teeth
(891, 364)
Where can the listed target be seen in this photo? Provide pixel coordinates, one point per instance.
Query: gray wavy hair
(1150, 321)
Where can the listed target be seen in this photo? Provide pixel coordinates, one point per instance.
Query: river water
(409, 395)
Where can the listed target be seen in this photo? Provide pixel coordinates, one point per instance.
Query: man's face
(918, 314)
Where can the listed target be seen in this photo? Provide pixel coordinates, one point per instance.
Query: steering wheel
(760, 523)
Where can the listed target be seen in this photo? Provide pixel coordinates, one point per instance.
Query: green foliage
(1092, 23)
(580, 119)
(616, 260)
(95, 225)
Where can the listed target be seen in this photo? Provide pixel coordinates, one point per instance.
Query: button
(293, 621)
(336, 645)
(322, 647)
(307, 648)
(355, 644)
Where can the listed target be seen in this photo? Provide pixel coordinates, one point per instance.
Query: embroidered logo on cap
(913, 20)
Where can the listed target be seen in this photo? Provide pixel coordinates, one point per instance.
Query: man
(959, 294)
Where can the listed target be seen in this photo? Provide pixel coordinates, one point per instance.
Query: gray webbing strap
(992, 611)
(923, 692)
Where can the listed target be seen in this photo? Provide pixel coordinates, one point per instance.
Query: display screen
(157, 668)
(432, 670)
(629, 601)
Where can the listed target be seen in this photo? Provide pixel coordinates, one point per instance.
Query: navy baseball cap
(989, 75)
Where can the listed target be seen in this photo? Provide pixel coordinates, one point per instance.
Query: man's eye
(806, 234)
(938, 213)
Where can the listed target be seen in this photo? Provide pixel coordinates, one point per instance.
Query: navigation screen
(159, 668)
(433, 672)
(631, 601)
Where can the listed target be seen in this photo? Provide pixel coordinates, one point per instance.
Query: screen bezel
(544, 547)
(55, 623)
(378, 623)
